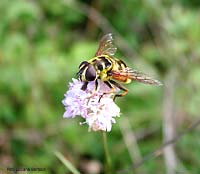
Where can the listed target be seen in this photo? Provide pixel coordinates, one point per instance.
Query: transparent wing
(135, 75)
(106, 46)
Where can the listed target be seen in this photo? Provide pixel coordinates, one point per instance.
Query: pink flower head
(97, 108)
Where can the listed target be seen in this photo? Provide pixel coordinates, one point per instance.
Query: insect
(112, 71)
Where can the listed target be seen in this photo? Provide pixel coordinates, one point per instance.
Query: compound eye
(90, 74)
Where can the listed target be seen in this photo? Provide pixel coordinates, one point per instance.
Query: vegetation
(41, 46)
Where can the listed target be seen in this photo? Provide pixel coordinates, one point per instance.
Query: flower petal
(98, 108)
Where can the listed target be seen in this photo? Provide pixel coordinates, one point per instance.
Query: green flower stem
(108, 168)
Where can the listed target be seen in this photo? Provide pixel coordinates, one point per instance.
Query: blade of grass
(66, 162)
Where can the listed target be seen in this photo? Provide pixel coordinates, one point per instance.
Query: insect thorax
(103, 64)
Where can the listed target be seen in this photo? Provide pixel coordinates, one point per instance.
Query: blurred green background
(41, 46)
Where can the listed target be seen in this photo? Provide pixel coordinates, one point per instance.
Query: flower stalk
(108, 168)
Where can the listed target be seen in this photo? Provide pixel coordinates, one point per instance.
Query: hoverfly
(112, 71)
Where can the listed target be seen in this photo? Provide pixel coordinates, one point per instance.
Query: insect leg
(84, 86)
(118, 85)
(96, 84)
(110, 86)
